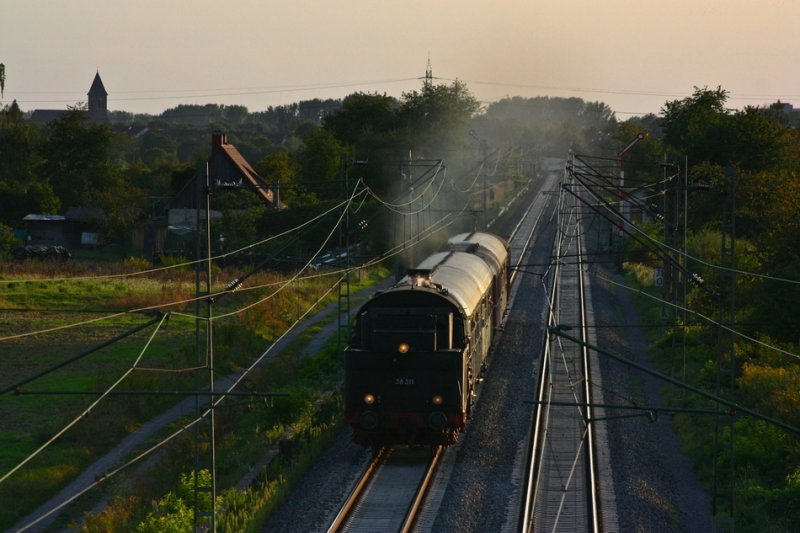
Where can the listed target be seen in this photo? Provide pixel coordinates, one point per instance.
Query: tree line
(301, 147)
(739, 171)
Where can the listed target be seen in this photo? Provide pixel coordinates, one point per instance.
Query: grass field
(51, 317)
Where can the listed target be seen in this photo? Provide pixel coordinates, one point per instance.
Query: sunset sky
(632, 55)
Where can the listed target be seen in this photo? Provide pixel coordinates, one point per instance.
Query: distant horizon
(633, 56)
(310, 97)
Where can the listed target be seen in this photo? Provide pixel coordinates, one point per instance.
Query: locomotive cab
(403, 371)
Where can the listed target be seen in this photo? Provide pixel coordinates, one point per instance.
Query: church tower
(98, 100)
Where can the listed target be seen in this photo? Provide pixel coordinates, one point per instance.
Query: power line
(661, 244)
(702, 316)
(213, 93)
(184, 264)
(83, 354)
(632, 92)
(86, 411)
(409, 243)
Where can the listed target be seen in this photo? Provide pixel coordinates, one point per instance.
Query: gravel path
(655, 486)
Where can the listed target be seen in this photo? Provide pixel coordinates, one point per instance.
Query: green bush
(174, 513)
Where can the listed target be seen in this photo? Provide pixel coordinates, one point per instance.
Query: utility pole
(725, 474)
(624, 208)
(428, 74)
(672, 238)
(485, 150)
(204, 441)
(344, 247)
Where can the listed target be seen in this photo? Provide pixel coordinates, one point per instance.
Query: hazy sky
(631, 54)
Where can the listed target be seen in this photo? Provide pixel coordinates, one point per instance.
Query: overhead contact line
(734, 407)
(83, 354)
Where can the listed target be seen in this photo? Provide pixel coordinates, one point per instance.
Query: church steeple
(98, 100)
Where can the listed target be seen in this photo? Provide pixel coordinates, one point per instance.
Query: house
(228, 169)
(171, 230)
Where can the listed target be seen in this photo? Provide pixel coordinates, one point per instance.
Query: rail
(390, 493)
(561, 491)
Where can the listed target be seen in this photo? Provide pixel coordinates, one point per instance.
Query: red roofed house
(228, 168)
(229, 172)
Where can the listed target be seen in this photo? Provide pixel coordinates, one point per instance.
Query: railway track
(562, 490)
(391, 491)
(523, 233)
(389, 495)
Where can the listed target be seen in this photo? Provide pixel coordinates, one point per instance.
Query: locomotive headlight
(437, 400)
(369, 399)
(403, 347)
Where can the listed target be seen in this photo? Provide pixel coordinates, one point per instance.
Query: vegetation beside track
(766, 457)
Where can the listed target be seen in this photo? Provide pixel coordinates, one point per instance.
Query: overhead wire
(697, 313)
(396, 207)
(612, 215)
(691, 311)
(213, 93)
(687, 255)
(293, 278)
(635, 92)
(81, 355)
(702, 316)
(221, 397)
(187, 300)
(186, 263)
(167, 304)
(86, 411)
(437, 226)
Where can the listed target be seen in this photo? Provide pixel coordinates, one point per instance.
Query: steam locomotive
(418, 349)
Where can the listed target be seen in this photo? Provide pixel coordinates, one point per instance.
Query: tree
(21, 190)
(18, 200)
(235, 114)
(122, 206)
(759, 140)
(174, 512)
(552, 126)
(699, 126)
(7, 241)
(158, 148)
(19, 140)
(643, 163)
(239, 227)
(320, 164)
(280, 171)
(437, 118)
(315, 110)
(363, 121)
(76, 164)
